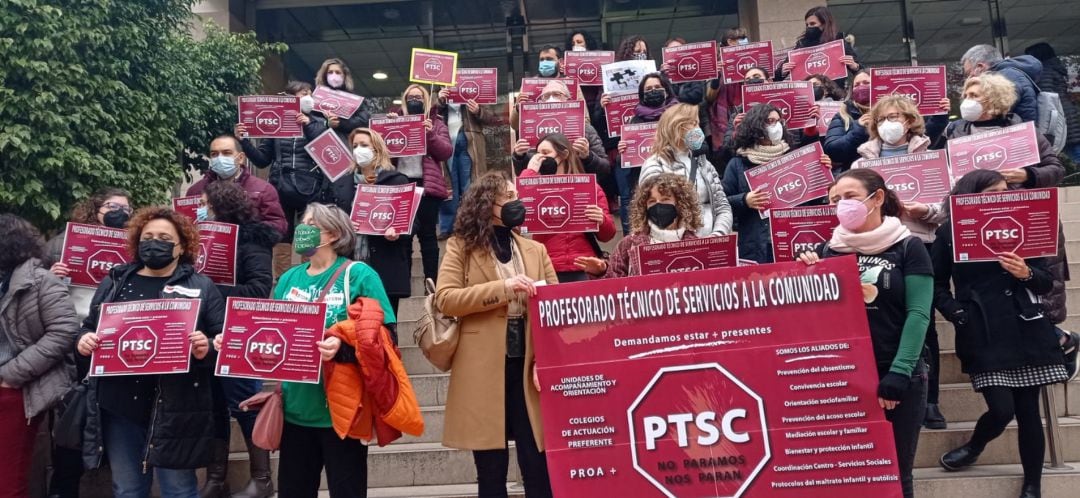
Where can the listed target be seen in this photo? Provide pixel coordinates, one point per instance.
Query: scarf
(650, 114)
(875, 241)
(761, 154)
(658, 235)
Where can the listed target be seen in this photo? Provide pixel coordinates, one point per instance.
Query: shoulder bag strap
(330, 284)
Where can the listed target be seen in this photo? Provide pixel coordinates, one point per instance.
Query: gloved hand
(959, 317)
(893, 386)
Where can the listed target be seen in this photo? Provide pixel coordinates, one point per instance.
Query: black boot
(960, 458)
(934, 419)
(260, 485)
(1030, 491)
(215, 486)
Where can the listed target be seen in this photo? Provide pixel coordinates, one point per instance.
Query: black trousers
(304, 453)
(425, 226)
(572, 276)
(933, 347)
(493, 465)
(907, 419)
(1004, 403)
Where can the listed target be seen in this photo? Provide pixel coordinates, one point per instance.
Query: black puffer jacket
(994, 337)
(182, 423)
(254, 263)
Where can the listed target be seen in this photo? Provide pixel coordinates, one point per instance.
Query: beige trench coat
(475, 403)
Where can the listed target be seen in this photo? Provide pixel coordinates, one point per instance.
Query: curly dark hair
(752, 129)
(590, 42)
(830, 87)
(86, 211)
(626, 48)
(230, 203)
(671, 184)
(475, 215)
(664, 81)
(185, 228)
(19, 241)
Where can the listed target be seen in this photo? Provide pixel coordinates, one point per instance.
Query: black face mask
(662, 215)
(819, 93)
(115, 219)
(549, 166)
(812, 34)
(156, 254)
(513, 213)
(755, 81)
(654, 98)
(415, 107)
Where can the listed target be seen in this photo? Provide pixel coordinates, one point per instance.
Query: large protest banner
(271, 340)
(145, 337)
(723, 382)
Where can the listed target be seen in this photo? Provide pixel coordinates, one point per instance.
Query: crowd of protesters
(162, 428)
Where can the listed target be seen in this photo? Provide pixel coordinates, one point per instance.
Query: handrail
(1053, 430)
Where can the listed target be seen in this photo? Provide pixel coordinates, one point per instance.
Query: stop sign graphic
(268, 122)
(805, 241)
(553, 212)
(137, 346)
(432, 67)
(817, 63)
(469, 89)
(265, 350)
(587, 72)
(688, 67)
(99, 264)
(909, 91)
(783, 106)
(382, 216)
(628, 115)
(330, 155)
(990, 156)
(396, 142)
(790, 187)
(906, 186)
(1002, 234)
(685, 263)
(704, 416)
(745, 63)
(200, 262)
(547, 127)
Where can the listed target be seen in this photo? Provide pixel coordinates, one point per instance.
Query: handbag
(67, 430)
(436, 333)
(271, 419)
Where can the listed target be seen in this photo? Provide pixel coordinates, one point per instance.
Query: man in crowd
(228, 163)
(1022, 71)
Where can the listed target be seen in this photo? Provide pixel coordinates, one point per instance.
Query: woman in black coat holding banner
(1003, 339)
(821, 28)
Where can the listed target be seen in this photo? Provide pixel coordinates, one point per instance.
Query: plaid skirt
(1020, 377)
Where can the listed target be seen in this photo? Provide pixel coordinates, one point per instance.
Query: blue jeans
(228, 393)
(460, 177)
(626, 179)
(1074, 152)
(125, 445)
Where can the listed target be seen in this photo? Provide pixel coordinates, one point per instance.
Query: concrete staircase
(421, 467)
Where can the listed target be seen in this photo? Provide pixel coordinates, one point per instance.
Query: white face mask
(363, 155)
(307, 103)
(891, 132)
(971, 110)
(775, 132)
(578, 48)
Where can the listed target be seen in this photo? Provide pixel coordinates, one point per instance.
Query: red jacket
(563, 248)
(263, 195)
(439, 150)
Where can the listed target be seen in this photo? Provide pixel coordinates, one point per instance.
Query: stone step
(993, 481)
(513, 490)
(960, 403)
(1003, 450)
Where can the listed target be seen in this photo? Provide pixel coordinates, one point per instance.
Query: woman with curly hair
(159, 422)
(665, 209)
(486, 279)
(108, 206)
(37, 329)
(228, 202)
(762, 137)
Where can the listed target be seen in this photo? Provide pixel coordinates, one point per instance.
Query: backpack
(1051, 119)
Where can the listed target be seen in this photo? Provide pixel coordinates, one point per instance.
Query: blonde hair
(332, 219)
(427, 99)
(669, 132)
(998, 93)
(320, 77)
(378, 148)
(906, 106)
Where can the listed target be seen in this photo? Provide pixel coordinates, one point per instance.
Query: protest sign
(144, 337)
(1004, 148)
(379, 207)
(405, 136)
(556, 203)
(639, 139)
(187, 206)
(691, 61)
(1024, 222)
(338, 103)
(91, 251)
(533, 87)
(584, 67)
(330, 153)
(271, 340)
(478, 84)
(540, 120)
(925, 85)
(826, 111)
(819, 59)
(702, 253)
(736, 60)
(794, 100)
(619, 112)
(218, 245)
(624, 76)
(792, 179)
(433, 67)
(799, 229)
(920, 177)
(269, 116)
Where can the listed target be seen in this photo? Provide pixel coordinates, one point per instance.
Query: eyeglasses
(772, 121)
(112, 206)
(558, 95)
(892, 118)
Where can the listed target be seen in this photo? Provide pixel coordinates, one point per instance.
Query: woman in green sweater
(308, 441)
(897, 284)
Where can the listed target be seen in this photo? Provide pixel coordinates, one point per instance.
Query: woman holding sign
(37, 329)
(821, 28)
(677, 137)
(390, 255)
(554, 156)
(665, 209)
(847, 130)
(165, 423)
(487, 277)
(1004, 341)
(427, 172)
(897, 281)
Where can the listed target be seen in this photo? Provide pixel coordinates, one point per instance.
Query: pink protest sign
(144, 337)
(271, 340)
(737, 60)
(433, 67)
(404, 135)
(619, 112)
(794, 99)
(330, 153)
(792, 179)
(1005, 148)
(479, 84)
(379, 207)
(799, 229)
(691, 61)
(91, 251)
(534, 86)
(704, 253)
(1024, 222)
(540, 120)
(820, 59)
(639, 139)
(218, 245)
(269, 116)
(556, 203)
(925, 85)
(584, 67)
(921, 177)
(336, 102)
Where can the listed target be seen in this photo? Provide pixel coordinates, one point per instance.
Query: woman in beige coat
(487, 275)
